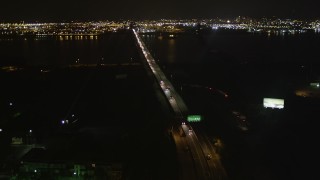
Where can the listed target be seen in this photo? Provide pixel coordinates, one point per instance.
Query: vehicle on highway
(208, 156)
(241, 121)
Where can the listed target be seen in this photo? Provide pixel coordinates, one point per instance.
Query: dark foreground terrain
(88, 121)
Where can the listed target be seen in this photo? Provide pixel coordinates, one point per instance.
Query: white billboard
(273, 103)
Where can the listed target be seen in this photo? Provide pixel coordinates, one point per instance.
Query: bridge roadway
(192, 151)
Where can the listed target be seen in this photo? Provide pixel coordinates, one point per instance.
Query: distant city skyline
(59, 10)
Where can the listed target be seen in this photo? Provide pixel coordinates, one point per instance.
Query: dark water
(65, 50)
(236, 47)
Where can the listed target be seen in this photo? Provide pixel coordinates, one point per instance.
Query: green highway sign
(315, 85)
(194, 118)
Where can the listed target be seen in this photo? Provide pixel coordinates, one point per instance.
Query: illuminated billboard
(273, 103)
(194, 118)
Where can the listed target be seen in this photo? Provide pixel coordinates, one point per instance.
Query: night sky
(83, 10)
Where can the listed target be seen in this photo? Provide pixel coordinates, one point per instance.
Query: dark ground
(117, 120)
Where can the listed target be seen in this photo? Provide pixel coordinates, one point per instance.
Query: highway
(193, 152)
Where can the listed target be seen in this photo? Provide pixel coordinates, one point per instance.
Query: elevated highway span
(196, 155)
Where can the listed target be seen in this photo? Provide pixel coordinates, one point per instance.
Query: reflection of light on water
(269, 33)
(78, 37)
(10, 68)
(171, 50)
